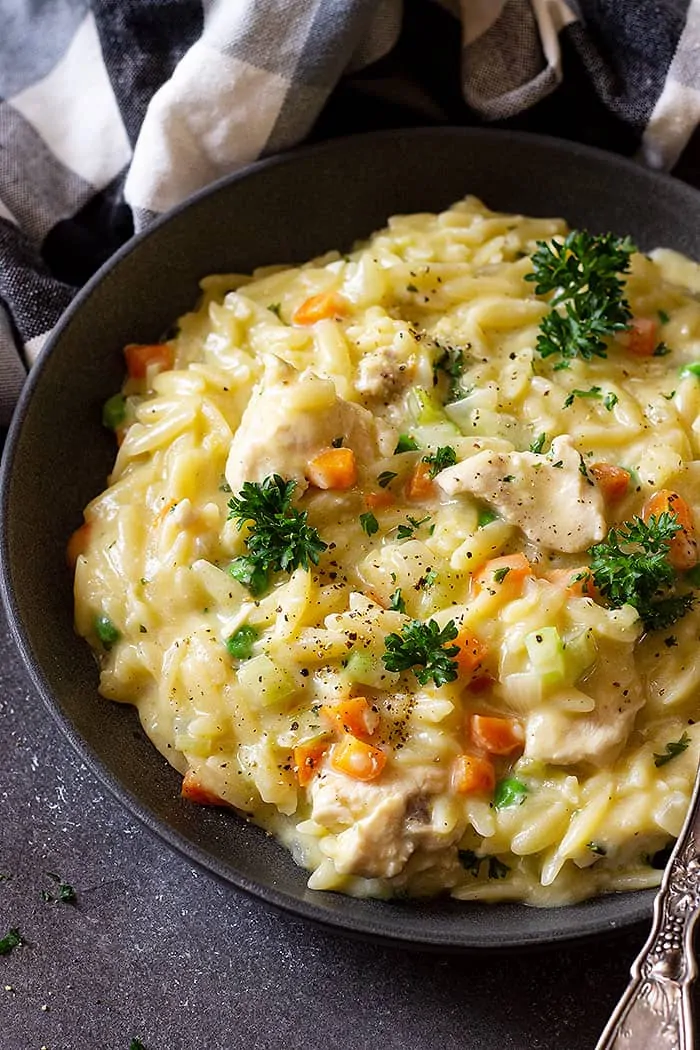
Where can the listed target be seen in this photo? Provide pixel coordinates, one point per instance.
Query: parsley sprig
(444, 457)
(280, 538)
(631, 567)
(423, 647)
(588, 304)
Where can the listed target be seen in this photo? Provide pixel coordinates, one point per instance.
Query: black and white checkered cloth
(113, 111)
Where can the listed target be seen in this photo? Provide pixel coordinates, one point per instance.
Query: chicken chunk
(568, 737)
(289, 419)
(379, 826)
(548, 497)
(383, 373)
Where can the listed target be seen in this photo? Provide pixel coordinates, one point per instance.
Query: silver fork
(655, 1012)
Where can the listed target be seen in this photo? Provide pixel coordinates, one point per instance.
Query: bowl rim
(588, 926)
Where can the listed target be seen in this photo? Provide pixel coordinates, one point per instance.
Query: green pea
(114, 412)
(106, 631)
(240, 643)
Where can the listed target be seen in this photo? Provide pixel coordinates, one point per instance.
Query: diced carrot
(141, 356)
(612, 481)
(683, 548)
(507, 574)
(334, 468)
(357, 759)
(473, 775)
(640, 338)
(578, 581)
(319, 307)
(498, 736)
(77, 544)
(307, 759)
(420, 485)
(379, 500)
(471, 652)
(353, 715)
(194, 791)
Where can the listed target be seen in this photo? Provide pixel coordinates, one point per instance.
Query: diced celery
(425, 407)
(580, 653)
(546, 651)
(433, 435)
(365, 668)
(266, 681)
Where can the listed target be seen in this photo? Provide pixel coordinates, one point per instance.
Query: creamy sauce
(253, 393)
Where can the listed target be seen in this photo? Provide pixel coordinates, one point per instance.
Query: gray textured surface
(158, 950)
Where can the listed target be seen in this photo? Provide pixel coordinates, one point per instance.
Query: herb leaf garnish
(583, 273)
(423, 647)
(280, 537)
(631, 567)
(673, 748)
(369, 523)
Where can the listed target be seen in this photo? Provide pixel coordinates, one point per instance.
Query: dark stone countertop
(157, 949)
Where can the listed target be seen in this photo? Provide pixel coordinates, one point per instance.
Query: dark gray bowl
(58, 456)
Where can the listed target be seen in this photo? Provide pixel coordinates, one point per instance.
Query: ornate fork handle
(655, 1012)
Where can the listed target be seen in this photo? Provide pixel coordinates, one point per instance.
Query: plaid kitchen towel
(113, 111)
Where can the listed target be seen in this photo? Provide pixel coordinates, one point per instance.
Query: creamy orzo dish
(397, 556)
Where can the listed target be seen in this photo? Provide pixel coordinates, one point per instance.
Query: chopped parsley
(472, 862)
(430, 579)
(663, 317)
(661, 350)
(386, 477)
(64, 895)
(596, 848)
(397, 602)
(610, 399)
(405, 532)
(673, 748)
(337, 442)
(631, 567)
(538, 444)
(136, 1044)
(423, 647)
(497, 869)
(499, 575)
(12, 939)
(588, 305)
(280, 538)
(406, 443)
(275, 308)
(485, 517)
(444, 457)
(452, 361)
(369, 523)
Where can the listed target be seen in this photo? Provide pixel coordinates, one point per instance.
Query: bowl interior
(58, 455)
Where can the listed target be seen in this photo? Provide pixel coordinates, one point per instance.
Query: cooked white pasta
(452, 479)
